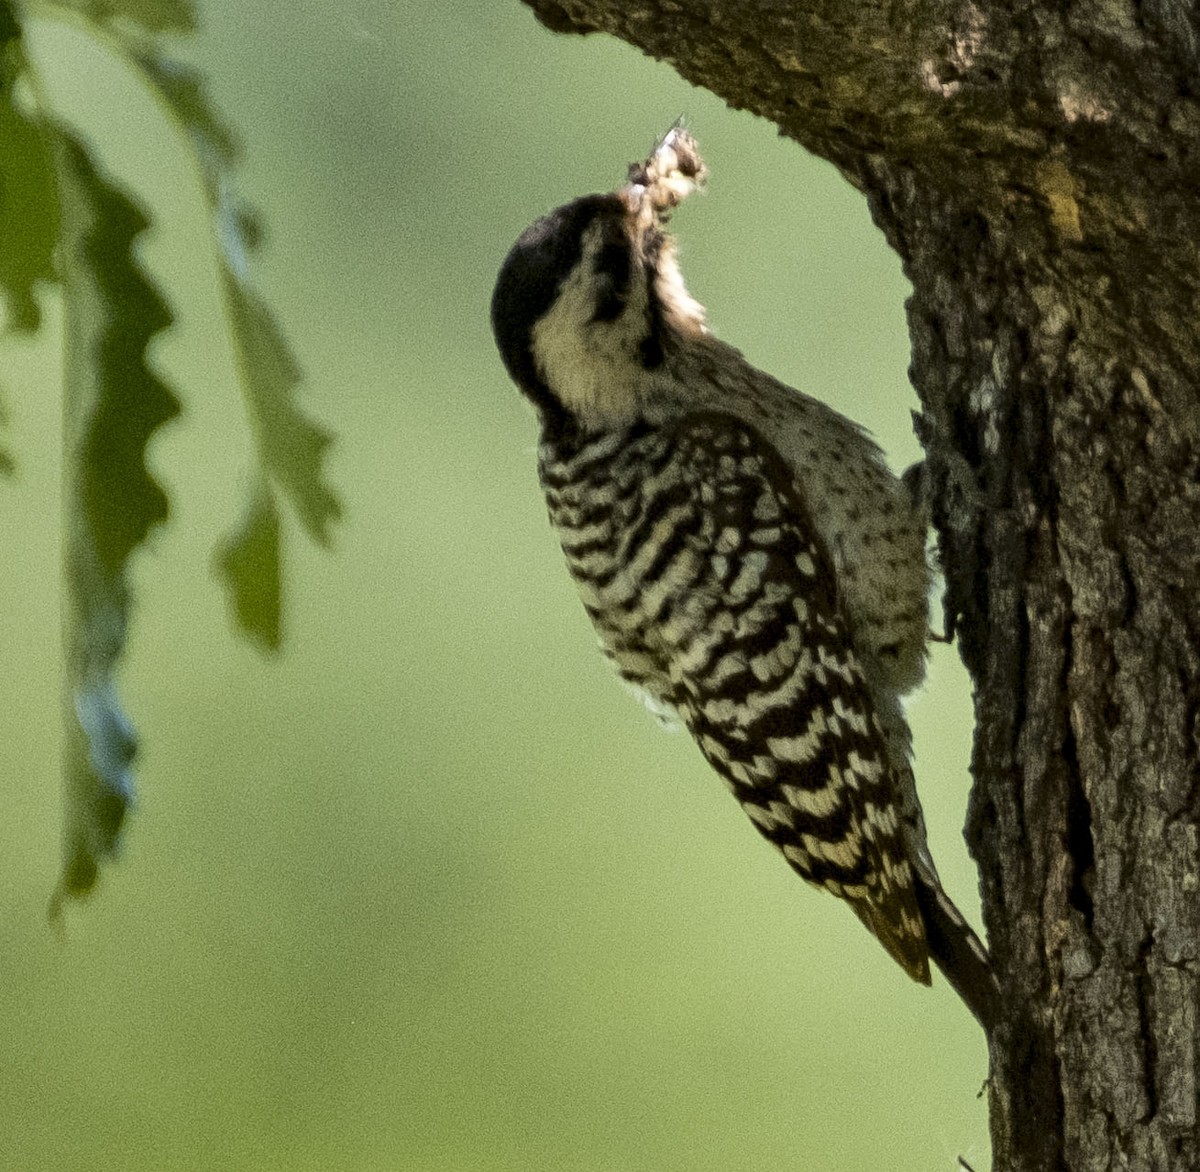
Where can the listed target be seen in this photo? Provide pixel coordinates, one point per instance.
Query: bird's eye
(613, 274)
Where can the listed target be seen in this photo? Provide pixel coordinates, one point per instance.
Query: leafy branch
(65, 223)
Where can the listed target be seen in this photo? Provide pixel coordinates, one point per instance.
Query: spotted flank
(711, 591)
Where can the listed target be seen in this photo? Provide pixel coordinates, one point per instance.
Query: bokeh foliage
(65, 222)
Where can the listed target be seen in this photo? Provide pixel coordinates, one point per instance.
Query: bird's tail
(958, 951)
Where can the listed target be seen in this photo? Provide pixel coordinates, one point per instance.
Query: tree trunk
(1037, 170)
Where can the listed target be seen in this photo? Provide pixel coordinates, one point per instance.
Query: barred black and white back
(747, 558)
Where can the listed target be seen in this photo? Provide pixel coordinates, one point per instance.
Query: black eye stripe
(614, 274)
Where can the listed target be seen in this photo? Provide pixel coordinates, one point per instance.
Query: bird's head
(590, 298)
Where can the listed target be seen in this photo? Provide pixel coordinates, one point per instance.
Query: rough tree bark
(1037, 168)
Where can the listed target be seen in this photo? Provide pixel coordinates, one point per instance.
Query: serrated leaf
(183, 88)
(100, 749)
(291, 448)
(152, 16)
(290, 445)
(28, 211)
(248, 561)
(113, 405)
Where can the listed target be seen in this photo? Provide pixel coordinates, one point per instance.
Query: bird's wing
(765, 676)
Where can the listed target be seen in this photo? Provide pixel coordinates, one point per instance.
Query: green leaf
(113, 405)
(28, 208)
(151, 16)
(249, 563)
(28, 203)
(183, 89)
(10, 33)
(7, 466)
(291, 448)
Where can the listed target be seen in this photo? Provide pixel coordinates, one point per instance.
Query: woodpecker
(748, 560)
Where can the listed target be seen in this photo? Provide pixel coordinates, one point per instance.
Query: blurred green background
(430, 892)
